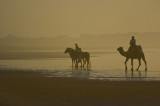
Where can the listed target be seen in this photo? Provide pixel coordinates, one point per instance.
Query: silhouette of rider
(77, 47)
(133, 41)
(132, 45)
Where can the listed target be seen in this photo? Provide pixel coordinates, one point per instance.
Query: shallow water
(105, 65)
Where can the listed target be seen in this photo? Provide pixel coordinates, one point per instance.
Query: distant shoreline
(34, 54)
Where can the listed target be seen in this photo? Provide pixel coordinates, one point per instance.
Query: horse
(75, 56)
(86, 57)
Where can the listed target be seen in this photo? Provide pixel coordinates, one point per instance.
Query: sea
(106, 64)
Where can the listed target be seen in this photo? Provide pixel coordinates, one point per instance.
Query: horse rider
(77, 47)
(79, 52)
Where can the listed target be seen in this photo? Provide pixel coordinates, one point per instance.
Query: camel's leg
(139, 60)
(81, 63)
(143, 57)
(126, 74)
(132, 64)
(126, 63)
(77, 63)
(132, 74)
(72, 62)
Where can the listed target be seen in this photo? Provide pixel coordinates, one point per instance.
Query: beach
(32, 88)
(79, 53)
(35, 78)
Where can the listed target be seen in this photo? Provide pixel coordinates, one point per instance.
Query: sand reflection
(80, 72)
(136, 74)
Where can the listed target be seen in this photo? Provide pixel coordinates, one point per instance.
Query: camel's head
(120, 48)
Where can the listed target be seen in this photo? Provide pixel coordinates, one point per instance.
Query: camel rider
(133, 41)
(132, 47)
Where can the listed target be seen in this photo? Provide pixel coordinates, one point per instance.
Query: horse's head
(120, 48)
(68, 50)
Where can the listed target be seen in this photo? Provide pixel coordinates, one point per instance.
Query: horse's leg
(89, 62)
(84, 61)
(143, 57)
(139, 60)
(126, 63)
(132, 63)
(76, 62)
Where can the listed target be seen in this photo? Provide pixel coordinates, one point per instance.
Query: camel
(136, 54)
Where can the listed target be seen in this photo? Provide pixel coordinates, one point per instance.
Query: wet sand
(32, 88)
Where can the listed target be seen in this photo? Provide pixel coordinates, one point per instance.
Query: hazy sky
(74, 17)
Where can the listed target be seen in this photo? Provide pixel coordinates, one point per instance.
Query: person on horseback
(77, 47)
(79, 51)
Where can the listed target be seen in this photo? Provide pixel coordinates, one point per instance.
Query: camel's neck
(123, 53)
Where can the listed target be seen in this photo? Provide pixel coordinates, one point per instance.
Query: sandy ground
(33, 89)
